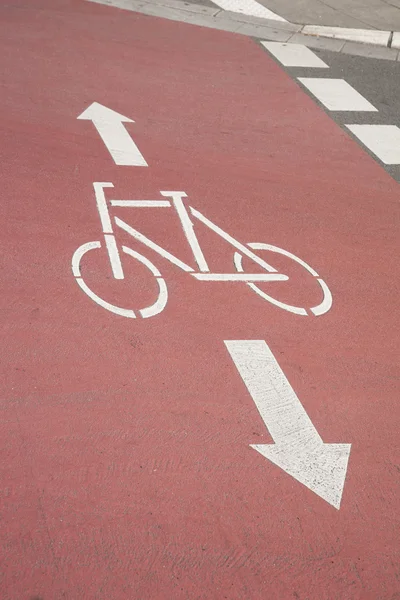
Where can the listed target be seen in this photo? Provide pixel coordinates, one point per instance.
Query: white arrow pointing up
(298, 448)
(117, 140)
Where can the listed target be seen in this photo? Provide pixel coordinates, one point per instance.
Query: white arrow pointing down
(298, 448)
(114, 135)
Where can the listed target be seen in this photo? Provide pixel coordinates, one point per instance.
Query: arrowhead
(322, 468)
(101, 114)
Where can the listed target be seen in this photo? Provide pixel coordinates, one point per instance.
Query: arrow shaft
(276, 401)
(119, 143)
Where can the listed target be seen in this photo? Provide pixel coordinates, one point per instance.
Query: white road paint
(79, 253)
(150, 244)
(113, 254)
(101, 204)
(298, 449)
(382, 140)
(109, 238)
(240, 277)
(231, 240)
(294, 55)
(187, 226)
(336, 94)
(249, 7)
(150, 311)
(365, 36)
(141, 203)
(160, 303)
(119, 143)
(117, 310)
(162, 299)
(317, 310)
(76, 261)
(326, 304)
(186, 218)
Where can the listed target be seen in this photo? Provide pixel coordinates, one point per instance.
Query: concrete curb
(360, 42)
(362, 36)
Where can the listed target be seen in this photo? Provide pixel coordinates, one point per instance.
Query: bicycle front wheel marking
(317, 310)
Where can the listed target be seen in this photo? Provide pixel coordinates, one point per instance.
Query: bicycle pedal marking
(187, 217)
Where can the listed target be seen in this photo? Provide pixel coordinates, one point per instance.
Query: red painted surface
(126, 470)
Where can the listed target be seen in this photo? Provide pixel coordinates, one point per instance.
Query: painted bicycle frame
(187, 217)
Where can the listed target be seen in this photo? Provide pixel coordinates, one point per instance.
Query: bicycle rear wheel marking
(123, 312)
(149, 311)
(162, 299)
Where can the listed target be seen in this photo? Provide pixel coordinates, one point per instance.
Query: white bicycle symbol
(203, 274)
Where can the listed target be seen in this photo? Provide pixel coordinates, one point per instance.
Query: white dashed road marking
(336, 94)
(382, 140)
(248, 7)
(294, 55)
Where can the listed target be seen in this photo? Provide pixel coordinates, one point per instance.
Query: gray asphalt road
(374, 14)
(203, 3)
(365, 14)
(377, 80)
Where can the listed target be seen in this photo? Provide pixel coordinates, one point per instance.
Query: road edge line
(336, 39)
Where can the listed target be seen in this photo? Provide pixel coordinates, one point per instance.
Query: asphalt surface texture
(374, 14)
(377, 80)
(368, 14)
(144, 458)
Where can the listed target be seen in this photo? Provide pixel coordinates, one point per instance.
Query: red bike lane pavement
(125, 459)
